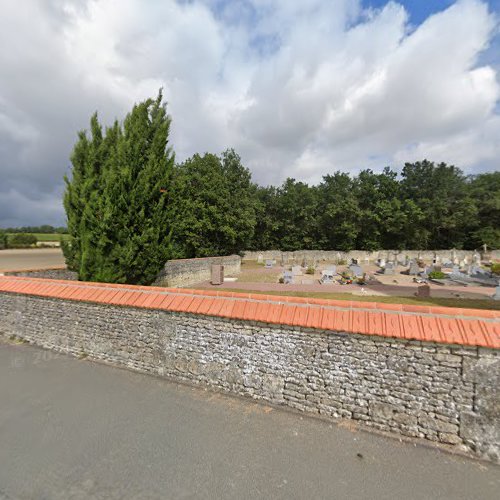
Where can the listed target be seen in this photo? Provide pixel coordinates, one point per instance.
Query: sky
(299, 88)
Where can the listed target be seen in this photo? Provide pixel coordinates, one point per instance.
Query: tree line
(130, 206)
(44, 229)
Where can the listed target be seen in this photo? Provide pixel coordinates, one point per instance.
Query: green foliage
(310, 270)
(115, 205)
(21, 240)
(428, 207)
(45, 229)
(495, 268)
(3, 239)
(213, 209)
(437, 275)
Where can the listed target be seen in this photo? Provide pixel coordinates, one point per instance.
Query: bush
(495, 268)
(341, 262)
(437, 275)
(310, 270)
(22, 240)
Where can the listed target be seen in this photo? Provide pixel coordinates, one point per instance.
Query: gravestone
(296, 271)
(217, 274)
(381, 263)
(497, 293)
(477, 271)
(288, 277)
(269, 264)
(389, 268)
(356, 270)
(327, 277)
(414, 268)
(476, 259)
(332, 269)
(447, 264)
(402, 260)
(423, 291)
(260, 259)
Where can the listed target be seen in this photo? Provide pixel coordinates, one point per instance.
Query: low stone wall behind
(186, 272)
(52, 274)
(363, 256)
(439, 392)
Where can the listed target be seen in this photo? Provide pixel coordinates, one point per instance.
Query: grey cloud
(299, 89)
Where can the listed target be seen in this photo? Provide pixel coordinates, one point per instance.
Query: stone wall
(52, 274)
(363, 256)
(186, 272)
(443, 393)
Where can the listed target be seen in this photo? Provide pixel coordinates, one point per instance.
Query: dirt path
(33, 258)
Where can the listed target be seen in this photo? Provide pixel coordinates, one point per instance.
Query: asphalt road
(72, 429)
(32, 258)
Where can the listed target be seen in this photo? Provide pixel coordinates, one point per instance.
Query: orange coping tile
(239, 309)
(341, 321)
(389, 307)
(197, 303)
(262, 312)
(226, 310)
(206, 304)
(416, 309)
(175, 303)
(314, 318)
(287, 314)
(431, 329)
(300, 316)
(375, 323)
(449, 331)
(359, 322)
(411, 324)
(215, 307)
(392, 326)
(473, 334)
(437, 324)
(274, 312)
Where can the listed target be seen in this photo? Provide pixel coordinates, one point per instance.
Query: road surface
(32, 258)
(73, 429)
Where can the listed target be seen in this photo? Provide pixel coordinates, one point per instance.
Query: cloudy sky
(299, 88)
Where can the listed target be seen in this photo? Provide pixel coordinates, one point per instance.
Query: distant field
(47, 236)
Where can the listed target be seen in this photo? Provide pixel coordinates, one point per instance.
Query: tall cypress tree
(116, 198)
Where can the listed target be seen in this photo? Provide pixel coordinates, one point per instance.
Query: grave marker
(423, 291)
(414, 269)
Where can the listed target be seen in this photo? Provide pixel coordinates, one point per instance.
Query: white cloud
(298, 88)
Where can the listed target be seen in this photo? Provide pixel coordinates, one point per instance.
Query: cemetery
(438, 276)
(471, 281)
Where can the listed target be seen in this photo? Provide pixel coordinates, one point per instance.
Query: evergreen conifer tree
(116, 199)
